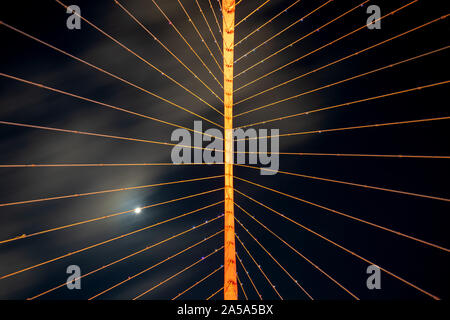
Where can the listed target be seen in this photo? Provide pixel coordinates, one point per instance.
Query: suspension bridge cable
(141, 58)
(242, 288)
(154, 266)
(107, 72)
(101, 135)
(266, 23)
(127, 257)
(272, 257)
(349, 216)
(348, 183)
(178, 273)
(276, 35)
(215, 18)
(201, 37)
(346, 104)
(209, 27)
(212, 295)
(251, 13)
(27, 236)
(77, 195)
(248, 276)
(337, 82)
(187, 43)
(299, 39)
(380, 43)
(40, 85)
(295, 250)
(259, 267)
(347, 250)
(166, 48)
(198, 282)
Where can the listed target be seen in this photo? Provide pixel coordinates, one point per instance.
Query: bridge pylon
(230, 276)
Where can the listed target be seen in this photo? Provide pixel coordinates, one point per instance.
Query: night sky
(422, 265)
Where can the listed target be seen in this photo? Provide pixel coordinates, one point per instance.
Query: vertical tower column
(230, 277)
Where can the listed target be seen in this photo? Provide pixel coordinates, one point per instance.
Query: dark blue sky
(423, 218)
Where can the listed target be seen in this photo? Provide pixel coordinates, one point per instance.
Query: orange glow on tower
(230, 277)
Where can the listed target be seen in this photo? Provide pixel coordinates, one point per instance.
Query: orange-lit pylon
(230, 278)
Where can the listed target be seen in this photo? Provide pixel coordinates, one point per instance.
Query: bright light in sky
(137, 210)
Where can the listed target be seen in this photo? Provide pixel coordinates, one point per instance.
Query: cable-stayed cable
(154, 266)
(177, 274)
(297, 59)
(215, 18)
(40, 85)
(326, 209)
(66, 255)
(167, 49)
(141, 58)
(80, 165)
(419, 195)
(336, 82)
(266, 23)
(209, 27)
(347, 250)
(251, 13)
(198, 282)
(350, 155)
(296, 41)
(101, 135)
(259, 267)
(272, 257)
(191, 21)
(346, 104)
(242, 288)
(27, 236)
(132, 255)
(248, 276)
(214, 293)
(187, 43)
(295, 250)
(349, 216)
(108, 73)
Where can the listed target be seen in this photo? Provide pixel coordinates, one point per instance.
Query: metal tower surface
(230, 277)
